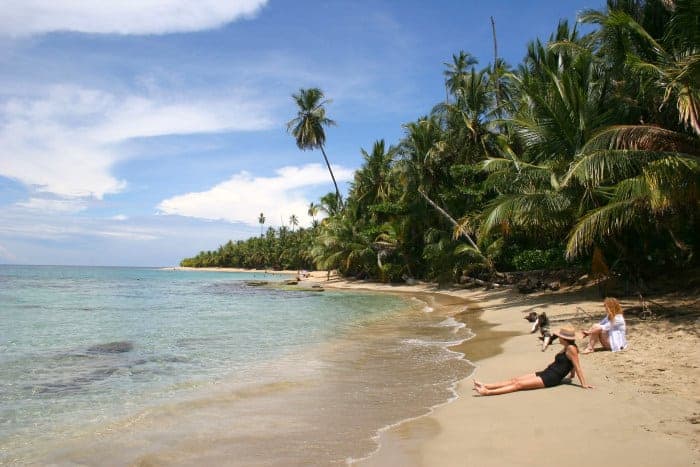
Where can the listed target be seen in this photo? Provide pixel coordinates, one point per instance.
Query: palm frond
(537, 210)
(642, 137)
(595, 167)
(604, 222)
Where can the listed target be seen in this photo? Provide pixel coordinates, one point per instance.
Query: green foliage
(592, 142)
(528, 260)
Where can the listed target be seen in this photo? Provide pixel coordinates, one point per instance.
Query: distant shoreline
(214, 269)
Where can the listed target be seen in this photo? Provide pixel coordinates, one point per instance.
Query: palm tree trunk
(495, 65)
(337, 192)
(454, 222)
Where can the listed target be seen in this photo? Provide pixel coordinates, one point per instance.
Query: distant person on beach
(610, 331)
(565, 362)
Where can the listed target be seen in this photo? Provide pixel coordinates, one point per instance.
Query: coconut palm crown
(308, 126)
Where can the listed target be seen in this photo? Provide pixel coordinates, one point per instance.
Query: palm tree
(329, 204)
(373, 182)
(293, 221)
(646, 176)
(564, 101)
(649, 179)
(456, 72)
(666, 59)
(313, 212)
(261, 221)
(307, 127)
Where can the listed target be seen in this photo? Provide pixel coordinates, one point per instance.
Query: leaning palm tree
(307, 127)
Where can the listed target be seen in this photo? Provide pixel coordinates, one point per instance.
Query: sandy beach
(644, 409)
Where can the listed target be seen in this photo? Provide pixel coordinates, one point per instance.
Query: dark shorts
(549, 378)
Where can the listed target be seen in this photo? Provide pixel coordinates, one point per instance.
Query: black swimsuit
(556, 371)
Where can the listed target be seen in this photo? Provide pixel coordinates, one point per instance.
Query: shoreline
(633, 416)
(217, 269)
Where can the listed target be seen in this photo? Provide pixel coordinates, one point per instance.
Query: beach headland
(644, 410)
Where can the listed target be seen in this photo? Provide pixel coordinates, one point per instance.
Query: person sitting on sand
(610, 332)
(565, 362)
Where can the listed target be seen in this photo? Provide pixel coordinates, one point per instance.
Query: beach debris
(527, 285)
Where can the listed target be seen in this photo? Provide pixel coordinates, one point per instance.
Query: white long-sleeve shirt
(616, 332)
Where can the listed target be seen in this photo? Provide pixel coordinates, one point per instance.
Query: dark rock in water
(112, 347)
(76, 384)
(256, 283)
(291, 282)
(93, 376)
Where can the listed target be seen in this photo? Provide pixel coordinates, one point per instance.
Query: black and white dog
(541, 322)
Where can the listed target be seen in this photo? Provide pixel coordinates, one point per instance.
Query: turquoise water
(125, 353)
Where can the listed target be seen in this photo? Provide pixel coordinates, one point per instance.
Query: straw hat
(567, 332)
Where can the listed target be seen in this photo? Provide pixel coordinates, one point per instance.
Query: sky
(140, 133)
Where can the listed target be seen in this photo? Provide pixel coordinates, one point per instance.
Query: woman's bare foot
(478, 384)
(587, 350)
(482, 390)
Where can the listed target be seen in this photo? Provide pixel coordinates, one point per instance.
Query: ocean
(115, 366)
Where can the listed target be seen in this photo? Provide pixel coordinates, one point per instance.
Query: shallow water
(122, 365)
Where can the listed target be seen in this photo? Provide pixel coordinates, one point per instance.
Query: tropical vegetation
(588, 147)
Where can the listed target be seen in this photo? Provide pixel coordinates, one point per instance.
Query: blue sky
(139, 133)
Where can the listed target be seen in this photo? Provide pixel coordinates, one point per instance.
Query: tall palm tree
(261, 221)
(456, 72)
(308, 126)
(373, 183)
(564, 102)
(293, 221)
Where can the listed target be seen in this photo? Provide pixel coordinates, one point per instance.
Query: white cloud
(119, 217)
(64, 142)
(18, 222)
(243, 197)
(28, 17)
(53, 205)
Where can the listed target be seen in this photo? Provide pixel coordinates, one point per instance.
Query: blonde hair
(612, 306)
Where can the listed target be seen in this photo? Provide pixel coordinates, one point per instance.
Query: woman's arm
(572, 354)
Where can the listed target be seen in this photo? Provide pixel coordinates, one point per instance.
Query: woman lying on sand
(564, 362)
